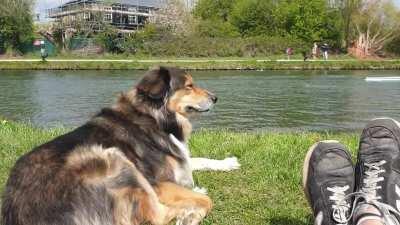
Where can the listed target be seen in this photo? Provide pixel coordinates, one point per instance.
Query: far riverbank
(198, 64)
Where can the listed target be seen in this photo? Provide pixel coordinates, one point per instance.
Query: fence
(84, 45)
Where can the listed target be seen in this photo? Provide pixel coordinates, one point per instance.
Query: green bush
(196, 46)
(394, 46)
(216, 28)
(2, 45)
(159, 42)
(110, 41)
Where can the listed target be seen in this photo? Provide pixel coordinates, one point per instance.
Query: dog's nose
(214, 98)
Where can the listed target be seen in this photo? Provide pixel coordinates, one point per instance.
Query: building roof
(147, 3)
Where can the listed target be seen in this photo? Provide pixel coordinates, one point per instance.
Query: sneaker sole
(307, 163)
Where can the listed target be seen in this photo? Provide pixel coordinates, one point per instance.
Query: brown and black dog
(119, 168)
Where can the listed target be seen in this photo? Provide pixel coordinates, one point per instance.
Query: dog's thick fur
(119, 168)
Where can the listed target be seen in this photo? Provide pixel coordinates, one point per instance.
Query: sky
(42, 5)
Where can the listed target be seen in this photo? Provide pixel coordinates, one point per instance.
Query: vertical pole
(62, 26)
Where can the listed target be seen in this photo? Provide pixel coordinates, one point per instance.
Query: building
(125, 15)
(190, 4)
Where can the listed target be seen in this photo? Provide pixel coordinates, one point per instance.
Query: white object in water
(379, 79)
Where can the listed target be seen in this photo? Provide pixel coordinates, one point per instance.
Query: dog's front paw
(191, 217)
(200, 190)
(231, 163)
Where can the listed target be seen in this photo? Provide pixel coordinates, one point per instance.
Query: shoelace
(368, 195)
(372, 178)
(340, 206)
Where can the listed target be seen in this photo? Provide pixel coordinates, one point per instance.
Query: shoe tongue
(375, 155)
(379, 147)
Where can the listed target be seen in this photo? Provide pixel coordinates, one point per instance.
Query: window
(86, 16)
(144, 10)
(107, 8)
(132, 9)
(132, 19)
(108, 17)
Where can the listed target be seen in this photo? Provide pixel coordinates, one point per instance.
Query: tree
(86, 24)
(16, 24)
(214, 9)
(393, 46)
(256, 17)
(300, 19)
(351, 7)
(216, 28)
(315, 21)
(376, 24)
(212, 18)
(175, 17)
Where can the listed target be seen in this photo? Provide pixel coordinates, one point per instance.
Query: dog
(128, 165)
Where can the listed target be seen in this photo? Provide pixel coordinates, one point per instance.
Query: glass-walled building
(126, 15)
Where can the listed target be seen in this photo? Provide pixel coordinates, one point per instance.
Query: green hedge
(193, 46)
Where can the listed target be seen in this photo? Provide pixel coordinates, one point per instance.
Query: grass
(209, 64)
(266, 190)
(144, 57)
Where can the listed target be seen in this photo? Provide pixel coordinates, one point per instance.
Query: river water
(248, 100)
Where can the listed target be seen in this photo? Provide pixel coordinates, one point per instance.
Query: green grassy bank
(203, 64)
(266, 190)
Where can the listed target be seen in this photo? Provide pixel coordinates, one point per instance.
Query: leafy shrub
(394, 46)
(197, 46)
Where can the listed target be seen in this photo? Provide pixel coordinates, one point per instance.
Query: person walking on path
(368, 193)
(325, 49)
(289, 52)
(315, 51)
(43, 51)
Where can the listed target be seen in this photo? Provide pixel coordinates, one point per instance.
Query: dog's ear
(155, 84)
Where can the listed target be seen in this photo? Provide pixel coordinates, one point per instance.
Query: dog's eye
(189, 87)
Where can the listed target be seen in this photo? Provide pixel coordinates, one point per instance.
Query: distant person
(325, 49)
(289, 52)
(305, 55)
(43, 51)
(315, 51)
(43, 54)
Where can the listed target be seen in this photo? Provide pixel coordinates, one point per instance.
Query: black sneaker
(378, 165)
(328, 177)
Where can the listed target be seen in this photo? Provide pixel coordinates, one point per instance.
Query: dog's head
(175, 89)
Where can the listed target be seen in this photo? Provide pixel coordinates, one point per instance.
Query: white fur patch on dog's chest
(183, 176)
(183, 172)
